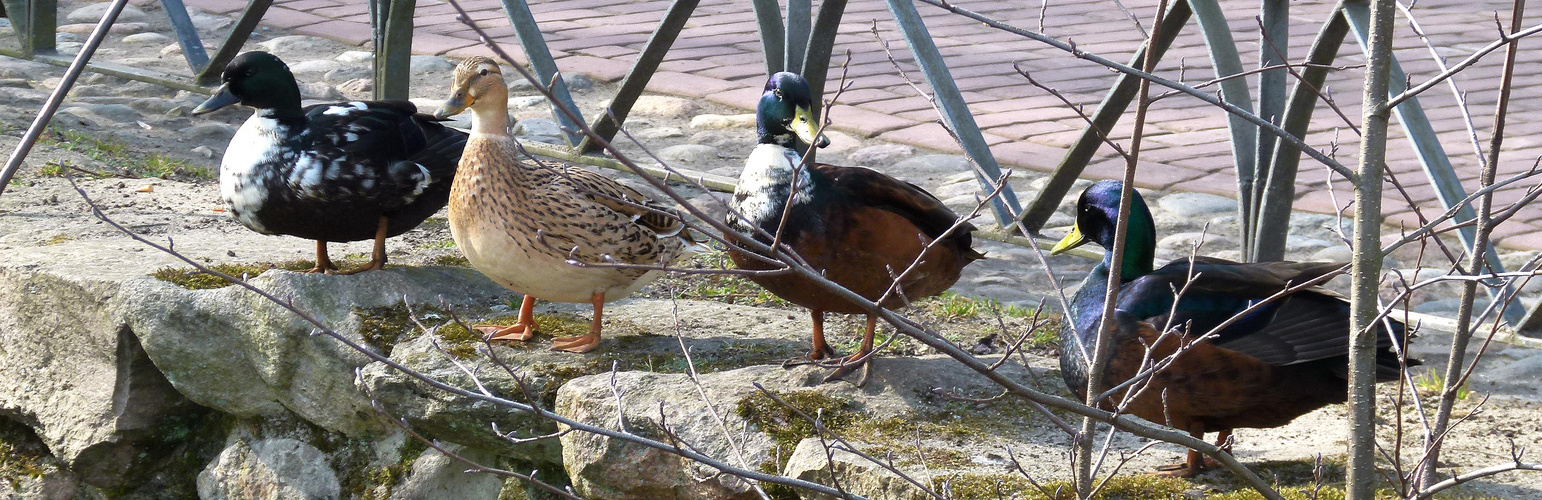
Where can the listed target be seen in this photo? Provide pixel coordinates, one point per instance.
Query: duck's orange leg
(378, 257)
(862, 359)
(821, 349)
(1223, 441)
(1193, 462)
(323, 262)
(521, 330)
(584, 343)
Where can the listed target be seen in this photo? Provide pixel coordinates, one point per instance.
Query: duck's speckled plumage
(520, 222)
(329, 172)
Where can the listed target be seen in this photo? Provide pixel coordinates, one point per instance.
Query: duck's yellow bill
(803, 125)
(1071, 240)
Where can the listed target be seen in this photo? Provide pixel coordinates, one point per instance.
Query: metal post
(65, 84)
(1279, 180)
(187, 35)
(545, 67)
(1103, 119)
(1273, 50)
(821, 41)
(393, 48)
(768, 20)
(1432, 157)
(606, 125)
(955, 110)
(210, 73)
(798, 18)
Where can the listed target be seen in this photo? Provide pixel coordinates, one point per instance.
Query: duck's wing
(663, 220)
(377, 153)
(1307, 325)
(874, 189)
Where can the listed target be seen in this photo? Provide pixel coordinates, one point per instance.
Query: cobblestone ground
(718, 58)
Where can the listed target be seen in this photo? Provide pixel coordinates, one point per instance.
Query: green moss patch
(454, 260)
(725, 288)
(1132, 487)
(118, 157)
(193, 279)
(787, 428)
(22, 455)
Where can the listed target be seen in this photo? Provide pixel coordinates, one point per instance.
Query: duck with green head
(338, 172)
(852, 224)
(1279, 359)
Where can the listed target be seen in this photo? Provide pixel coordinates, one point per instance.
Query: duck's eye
(778, 93)
(484, 71)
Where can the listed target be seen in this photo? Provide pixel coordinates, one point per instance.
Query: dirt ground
(114, 135)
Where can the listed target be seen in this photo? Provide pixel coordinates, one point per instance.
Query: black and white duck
(336, 172)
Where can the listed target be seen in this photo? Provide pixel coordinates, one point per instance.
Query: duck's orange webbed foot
(584, 343)
(849, 364)
(816, 356)
(520, 332)
(578, 345)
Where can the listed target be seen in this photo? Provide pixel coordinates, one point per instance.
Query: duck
(854, 225)
(1277, 362)
(555, 233)
(338, 172)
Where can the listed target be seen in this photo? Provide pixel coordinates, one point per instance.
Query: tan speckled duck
(519, 222)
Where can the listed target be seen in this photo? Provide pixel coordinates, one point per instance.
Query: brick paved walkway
(717, 57)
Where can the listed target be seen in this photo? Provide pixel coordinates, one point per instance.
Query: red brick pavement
(717, 58)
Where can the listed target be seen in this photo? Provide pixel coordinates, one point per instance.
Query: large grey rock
(278, 469)
(239, 353)
(437, 476)
(81, 380)
(601, 467)
(812, 461)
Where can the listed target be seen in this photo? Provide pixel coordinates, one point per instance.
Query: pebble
(147, 38)
(347, 73)
(1183, 243)
(154, 105)
(526, 102)
(658, 132)
(316, 66)
(355, 56)
(689, 153)
(203, 151)
(116, 29)
(663, 107)
(293, 44)
(881, 155)
(710, 121)
(357, 85)
(319, 91)
(93, 14)
(711, 138)
(578, 82)
(205, 21)
(1196, 204)
(425, 64)
(538, 128)
(169, 50)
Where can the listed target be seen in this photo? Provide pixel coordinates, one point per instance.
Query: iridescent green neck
(1139, 246)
